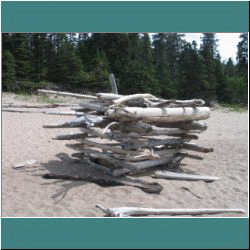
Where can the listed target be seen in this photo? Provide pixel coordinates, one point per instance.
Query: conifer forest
(166, 66)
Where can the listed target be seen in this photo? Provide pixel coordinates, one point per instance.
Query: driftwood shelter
(127, 137)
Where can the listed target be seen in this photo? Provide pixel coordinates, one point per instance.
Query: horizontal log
(132, 97)
(63, 113)
(136, 211)
(137, 127)
(160, 115)
(195, 147)
(71, 136)
(170, 131)
(179, 103)
(83, 121)
(108, 96)
(54, 105)
(144, 166)
(104, 147)
(196, 157)
(42, 91)
(183, 176)
(98, 107)
(152, 143)
(20, 110)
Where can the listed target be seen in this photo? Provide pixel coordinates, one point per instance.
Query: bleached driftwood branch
(42, 91)
(183, 176)
(83, 121)
(135, 211)
(158, 115)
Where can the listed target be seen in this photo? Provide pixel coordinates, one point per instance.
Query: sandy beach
(26, 194)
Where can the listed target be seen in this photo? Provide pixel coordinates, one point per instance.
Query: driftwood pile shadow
(127, 137)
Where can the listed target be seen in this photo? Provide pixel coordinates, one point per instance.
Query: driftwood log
(135, 211)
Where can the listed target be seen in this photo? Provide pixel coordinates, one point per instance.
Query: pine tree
(22, 54)
(242, 54)
(230, 68)
(208, 50)
(39, 56)
(8, 72)
(191, 73)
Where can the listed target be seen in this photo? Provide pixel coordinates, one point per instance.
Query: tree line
(167, 65)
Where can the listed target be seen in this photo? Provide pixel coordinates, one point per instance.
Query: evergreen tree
(39, 56)
(8, 72)
(67, 66)
(230, 68)
(191, 73)
(208, 50)
(22, 54)
(242, 54)
(167, 48)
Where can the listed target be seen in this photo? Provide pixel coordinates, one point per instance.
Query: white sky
(227, 44)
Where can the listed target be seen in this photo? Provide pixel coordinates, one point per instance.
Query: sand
(26, 194)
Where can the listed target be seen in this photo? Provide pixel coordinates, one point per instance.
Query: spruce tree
(8, 72)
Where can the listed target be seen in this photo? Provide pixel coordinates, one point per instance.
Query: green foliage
(8, 72)
(167, 67)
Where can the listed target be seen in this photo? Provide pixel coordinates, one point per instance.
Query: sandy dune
(26, 194)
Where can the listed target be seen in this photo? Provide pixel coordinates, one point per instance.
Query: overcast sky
(227, 44)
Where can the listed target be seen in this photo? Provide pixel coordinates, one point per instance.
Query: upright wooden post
(113, 83)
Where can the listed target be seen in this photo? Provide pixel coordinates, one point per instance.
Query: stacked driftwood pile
(125, 136)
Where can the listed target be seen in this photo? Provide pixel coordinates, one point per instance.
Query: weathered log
(71, 136)
(113, 83)
(137, 127)
(98, 107)
(136, 211)
(183, 176)
(63, 113)
(132, 97)
(83, 121)
(144, 166)
(42, 91)
(54, 105)
(152, 143)
(106, 181)
(109, 161)
(20, 111)
(179, 103)
(152, 115)
(170, 131)
(105, 147)
(193, 125)
(108, 96)
(195, 147)
(196, 157)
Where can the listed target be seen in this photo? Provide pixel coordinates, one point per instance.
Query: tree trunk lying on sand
(154, 115)
(135, 211)
(105, 181)
(183, 176)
